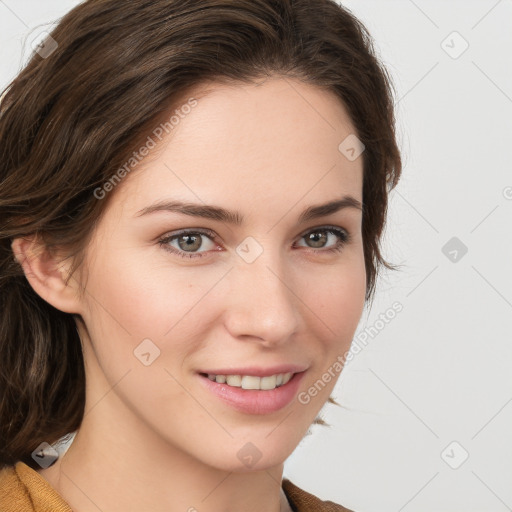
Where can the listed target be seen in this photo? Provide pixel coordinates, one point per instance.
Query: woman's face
(271, 294)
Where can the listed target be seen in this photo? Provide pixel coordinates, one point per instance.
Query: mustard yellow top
(22, 489)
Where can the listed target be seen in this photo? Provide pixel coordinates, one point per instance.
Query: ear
(47, 275)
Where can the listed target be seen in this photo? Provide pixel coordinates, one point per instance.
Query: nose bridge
(263, 304)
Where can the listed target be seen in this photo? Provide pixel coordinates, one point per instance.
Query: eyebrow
(236, 218)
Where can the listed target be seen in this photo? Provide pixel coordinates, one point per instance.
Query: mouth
(268, 392)
(251, 381)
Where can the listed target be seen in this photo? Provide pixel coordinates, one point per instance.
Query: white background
(440, 371)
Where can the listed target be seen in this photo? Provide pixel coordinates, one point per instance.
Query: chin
(244, 454)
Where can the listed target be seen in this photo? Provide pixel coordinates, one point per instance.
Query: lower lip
(254, 401)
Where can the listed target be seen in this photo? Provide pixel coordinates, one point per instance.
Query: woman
(192, 199)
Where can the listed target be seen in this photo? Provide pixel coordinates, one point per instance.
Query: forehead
(278, 137)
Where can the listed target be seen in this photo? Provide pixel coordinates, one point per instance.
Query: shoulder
(22, 489)
(302, 501)
(14, 495)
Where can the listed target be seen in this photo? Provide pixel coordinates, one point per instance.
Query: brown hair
(72, 118)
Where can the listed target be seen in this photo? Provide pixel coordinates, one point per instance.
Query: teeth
(268, 382)
(252, 382)
(249, 382)
(234, 380)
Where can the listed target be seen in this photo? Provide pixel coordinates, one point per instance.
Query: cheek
(336, 306)
(337, 300)
(143, 297)
(132, 302)
(140, 299)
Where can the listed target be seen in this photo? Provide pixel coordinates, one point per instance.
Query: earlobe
(47, 275)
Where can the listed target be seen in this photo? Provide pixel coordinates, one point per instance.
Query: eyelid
(343, 235)
(324, 226)
(214, 236)
(203, 231)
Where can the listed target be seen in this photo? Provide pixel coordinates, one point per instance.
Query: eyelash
(344, 239)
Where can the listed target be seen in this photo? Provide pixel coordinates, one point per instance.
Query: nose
(261, 303)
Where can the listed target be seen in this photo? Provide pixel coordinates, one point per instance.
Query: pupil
(313, 238)
(190, 240)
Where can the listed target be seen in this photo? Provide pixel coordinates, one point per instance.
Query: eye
(319, 237)
(186, 243)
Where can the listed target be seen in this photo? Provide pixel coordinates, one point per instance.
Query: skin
(152, 438)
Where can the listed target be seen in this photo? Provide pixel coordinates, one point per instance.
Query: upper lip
(257, 371)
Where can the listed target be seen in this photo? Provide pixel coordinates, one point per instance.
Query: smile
(251, 381)
(252, 394)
